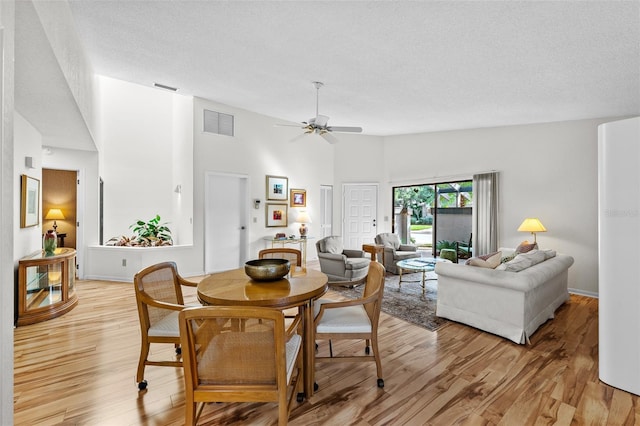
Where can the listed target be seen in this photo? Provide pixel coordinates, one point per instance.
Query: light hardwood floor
(79, 369)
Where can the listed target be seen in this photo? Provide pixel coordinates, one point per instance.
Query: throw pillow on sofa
(525, 247)
(524, 261)
(487, 261)
(548, 254)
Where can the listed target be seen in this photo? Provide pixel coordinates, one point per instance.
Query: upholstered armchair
(394, 251)
(340, 264)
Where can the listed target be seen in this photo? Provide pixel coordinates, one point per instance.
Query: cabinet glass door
(44, 286)
(71, 273)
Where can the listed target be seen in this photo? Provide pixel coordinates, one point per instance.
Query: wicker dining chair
(292, 255)
(353, 319)
(159, 298)
(256, 362)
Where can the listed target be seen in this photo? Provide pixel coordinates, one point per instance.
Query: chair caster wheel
(367, 350)
(315, 386)
(178, 351)
(142, 385)
(380, 383)
(300, 397)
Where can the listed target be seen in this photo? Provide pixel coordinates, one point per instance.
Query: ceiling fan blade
(289, 125)
(329, 137)
(300, 136)
(345, 129)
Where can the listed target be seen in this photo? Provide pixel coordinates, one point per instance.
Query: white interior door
(359, 214)
(326, 210)
(225, 222)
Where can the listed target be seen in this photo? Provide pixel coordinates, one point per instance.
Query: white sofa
(510, 304)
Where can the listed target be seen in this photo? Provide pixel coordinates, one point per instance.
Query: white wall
(546, 170)
(359, 159)
(183, 169)
(258, 149)
(28, 143)
(147, 153)
(137, 146)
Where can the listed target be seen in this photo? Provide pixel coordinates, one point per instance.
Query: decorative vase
(49, 242)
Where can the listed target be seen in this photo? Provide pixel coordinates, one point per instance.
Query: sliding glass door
(434, 215)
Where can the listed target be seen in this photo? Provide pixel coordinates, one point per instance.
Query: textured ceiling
(392, 67)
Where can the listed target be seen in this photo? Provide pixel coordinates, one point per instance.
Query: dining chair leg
(144, 353)
(376, 355)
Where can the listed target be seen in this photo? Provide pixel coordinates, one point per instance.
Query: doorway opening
(59, 205)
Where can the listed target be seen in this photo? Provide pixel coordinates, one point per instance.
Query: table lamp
(54, 214)
(533, 225)
(303, 219)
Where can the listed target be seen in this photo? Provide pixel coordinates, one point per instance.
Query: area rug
(407, 303)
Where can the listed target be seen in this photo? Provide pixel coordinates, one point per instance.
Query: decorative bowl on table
(267, 269)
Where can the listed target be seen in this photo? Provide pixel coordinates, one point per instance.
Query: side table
(374, 250)
(302, 242)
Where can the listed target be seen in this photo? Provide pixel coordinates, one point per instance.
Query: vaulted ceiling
(391, 67)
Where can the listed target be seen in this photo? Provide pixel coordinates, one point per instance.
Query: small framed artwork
(277, 188)
(298, 198)
(30, 202)
(276, 215)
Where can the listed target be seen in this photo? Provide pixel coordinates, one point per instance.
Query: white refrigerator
(619, 253)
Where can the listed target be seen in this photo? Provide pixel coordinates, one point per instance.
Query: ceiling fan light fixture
(321, 120)
(319, 123)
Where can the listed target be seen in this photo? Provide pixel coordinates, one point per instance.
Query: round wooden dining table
(298, 289)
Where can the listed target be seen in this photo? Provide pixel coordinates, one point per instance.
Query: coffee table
(418, 264)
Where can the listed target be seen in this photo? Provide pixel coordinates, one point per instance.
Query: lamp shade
(54, 214)
(532, 225)
(303, 217)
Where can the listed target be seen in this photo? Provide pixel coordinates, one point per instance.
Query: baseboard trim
(583, 293)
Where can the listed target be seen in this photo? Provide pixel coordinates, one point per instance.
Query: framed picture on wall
(298, 198)
(277, 188)
(276, 215)
(29, 202)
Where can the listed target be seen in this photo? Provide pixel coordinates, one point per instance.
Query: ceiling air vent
(218, 123)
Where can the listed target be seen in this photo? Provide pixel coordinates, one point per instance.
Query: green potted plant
(152, 233)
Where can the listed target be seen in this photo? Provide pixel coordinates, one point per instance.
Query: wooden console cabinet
(46, 285)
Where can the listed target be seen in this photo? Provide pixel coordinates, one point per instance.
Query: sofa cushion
(401, 255)
(487, 261)
(333, 245)
(357, 263)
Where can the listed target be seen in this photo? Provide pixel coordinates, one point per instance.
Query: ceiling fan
(319, 123)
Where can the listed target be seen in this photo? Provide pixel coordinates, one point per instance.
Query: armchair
(341, 265)
(394, 251)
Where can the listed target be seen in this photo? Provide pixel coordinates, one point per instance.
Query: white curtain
(485, 212)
